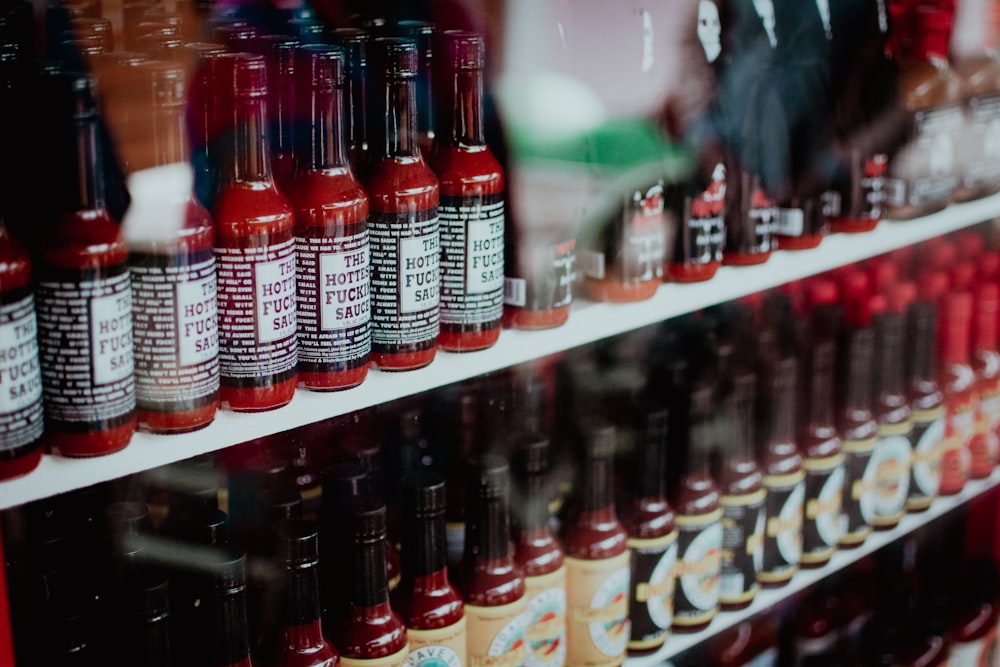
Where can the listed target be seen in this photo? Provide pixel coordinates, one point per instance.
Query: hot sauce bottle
(893, 454)
(979, 73)
(331, 232)
(282, 81)
(229, 644)
(354, 41)
(597, 560)
(699, 540)
(823, 460)
(858, 426)
(255, 249)
(784, 479)
(974, 633)
(539, 554)
(21, 412)
(492, 581)
(431, 607)
(371, 632)
(926, 406)
(83, 300)
(698, 209)
(741, 485)
(298, 554)
(203, 122)
(652, 536)
(986, 364)
(958, 382)
(472, 203)
(170, 237)
(405, 242)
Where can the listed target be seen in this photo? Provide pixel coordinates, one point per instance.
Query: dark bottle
(21, 416)
(331, 232)
(652, 535)
(698, 517)
(303, 643)
(597, 559)
(147, 637)
(894, 452)
(858, 428)
(371, 632)
(282, 112)
(784, 479)
(425, 34)
(986, 364)
(230, 642)
(741, 486)
(751, 643)
(698, 209)
(538, 552)
(202, 119)
(254, 246)
(492, 581)
(926, 405)
(354, 41)
(346, 487)
(430, 606)
(405, 241)
(817, 635)
(974, 629)
(822, 459)
(472, 202)
(958, 382)
(87, 361)
(170, 237)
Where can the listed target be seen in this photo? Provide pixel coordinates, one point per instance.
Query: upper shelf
(588, 322)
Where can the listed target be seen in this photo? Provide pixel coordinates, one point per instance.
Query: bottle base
(692, 273)
(177, 422)
(691, 629)
(805, 242)
(745, 258)
(95, 443)
(22, 465)
(259, 399)
(520, 318)
(620, 292)
(910, 212)
(337, 381)
(736, 606)
(468, 341)
(403, 361)
(951, 490)
(853, 225)
(962, 194)
(647, 649)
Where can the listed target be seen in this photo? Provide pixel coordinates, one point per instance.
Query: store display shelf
(677, 644)
(588, 322)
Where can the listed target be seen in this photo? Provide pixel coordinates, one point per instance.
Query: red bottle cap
(796, 292)
(870, 307)
(822, 292)
(883, 273)
(902, 295)
(963, 276)
(939, 253)
(236, 37)
(987, 298)
(989, 265)
(932, 32)
(854, 288)
(933, 285)
(970, 245)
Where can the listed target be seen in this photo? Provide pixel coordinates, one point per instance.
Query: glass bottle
(472, 202)
(958, 382)
(331, 232)
(405, 241)
(282, 113)
(83, 300)
(978, 70)
(147, 638)
(170, 236)
(986, 364)
(229, 643)
(202, 119)
(926, 405)
(429, 48)
(858, 427)
(354, 41)
(254, 247)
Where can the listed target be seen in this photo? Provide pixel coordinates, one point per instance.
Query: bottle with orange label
(958, 381)
(597, 560)
(492, 581)
(986, 364)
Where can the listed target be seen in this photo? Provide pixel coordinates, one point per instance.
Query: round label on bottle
(21, 413)
(472, 258)
(597, 596)
(892, 459)
(397, 659)
(496, 635)
(742, 546)
(824, 499)
(441, 647)
(859, 483)
(982, 652)
(699, 564)
(783, 520)
(925, 474)
(651, 607)
(546, 619)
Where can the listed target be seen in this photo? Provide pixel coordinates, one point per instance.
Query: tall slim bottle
(230, 642)
(926, 406)
(255, 250)
(858, 428)
(472, 202)
(405, 240)
(986, 364)
(83, 300)
(331, 232)
(958, 382)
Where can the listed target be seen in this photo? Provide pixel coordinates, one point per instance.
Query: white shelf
(678, 643)
(588, 322)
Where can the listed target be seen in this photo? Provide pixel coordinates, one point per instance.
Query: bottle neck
(650, 480)
(922, 355)
(783, 413)
(326, 147)
(488, 532)
(370, 582)
(425, 546)
(890, 344)
(231, 644)
(820, 385)
(536, 504)
(597, 488)
(88, 167)
(400, 116)
(857, 385)
(169, 140)
(302, 607)
(984, 335)
(250, 161)
(465, 101)
(955, 341)
(154, 635)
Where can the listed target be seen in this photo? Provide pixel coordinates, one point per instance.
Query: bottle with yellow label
(597, 560)
(926, 406)
(492, 581)
(858, 427)
(539, 553)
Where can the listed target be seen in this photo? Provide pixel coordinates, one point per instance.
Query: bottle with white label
(926, 405)
(254, 249)
(985, 446)
(83, 300)
(331, 233)
(21, 411)
(403, 228)
(170, 237)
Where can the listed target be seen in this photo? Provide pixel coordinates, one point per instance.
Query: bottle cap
(531, 453)
(395, 57)
(939, 253)
(345, 484)
(166, 82)
(127, 517)
(229, 570)
(321, 67)
(151, 597)
(963, 276)
(463, 50)
(921, 335)
(970, 245)
(822, 292)
(207, 526)
(599, 440)
(368, 524)
(83, 95)
(987, 297)
(956, 306)
(901, 295)
(883, 272)
(933, 285)
(280, 503)
(989, 265)
(237, 37)
(424, 493)
(493, 477)
(100, 27)
(355, 43)
(298, 543)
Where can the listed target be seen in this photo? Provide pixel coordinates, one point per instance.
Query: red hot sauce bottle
(405, 241)
(652, 539)
(331, 232)
(371, 633)
(22, 419)
(784, 480)
(699, 528)
(430, 606)
(540, 555)
(83, 300)
(254, 249)
(986, 364)
(858, 428)
(926, 406)
(472, 203)
(597, 561)
(177, 359)
(958, 382)
(492, 581)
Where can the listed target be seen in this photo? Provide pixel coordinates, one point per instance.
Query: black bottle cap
(208, 527)
(150, 593)
(598, 440)
(493, 477)
(83, 95)
(921, 341)
(279, 503)
(355, 43)
(424, 494)
(368, 524)
(463, 50)
(530, 454)
(229, 570)
(396, 57)
(322, 66)
(127, 517)
(345, 484)
(298, 543)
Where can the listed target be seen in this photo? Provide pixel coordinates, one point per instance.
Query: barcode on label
(515, 292)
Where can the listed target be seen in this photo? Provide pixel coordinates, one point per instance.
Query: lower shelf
(677, 644)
